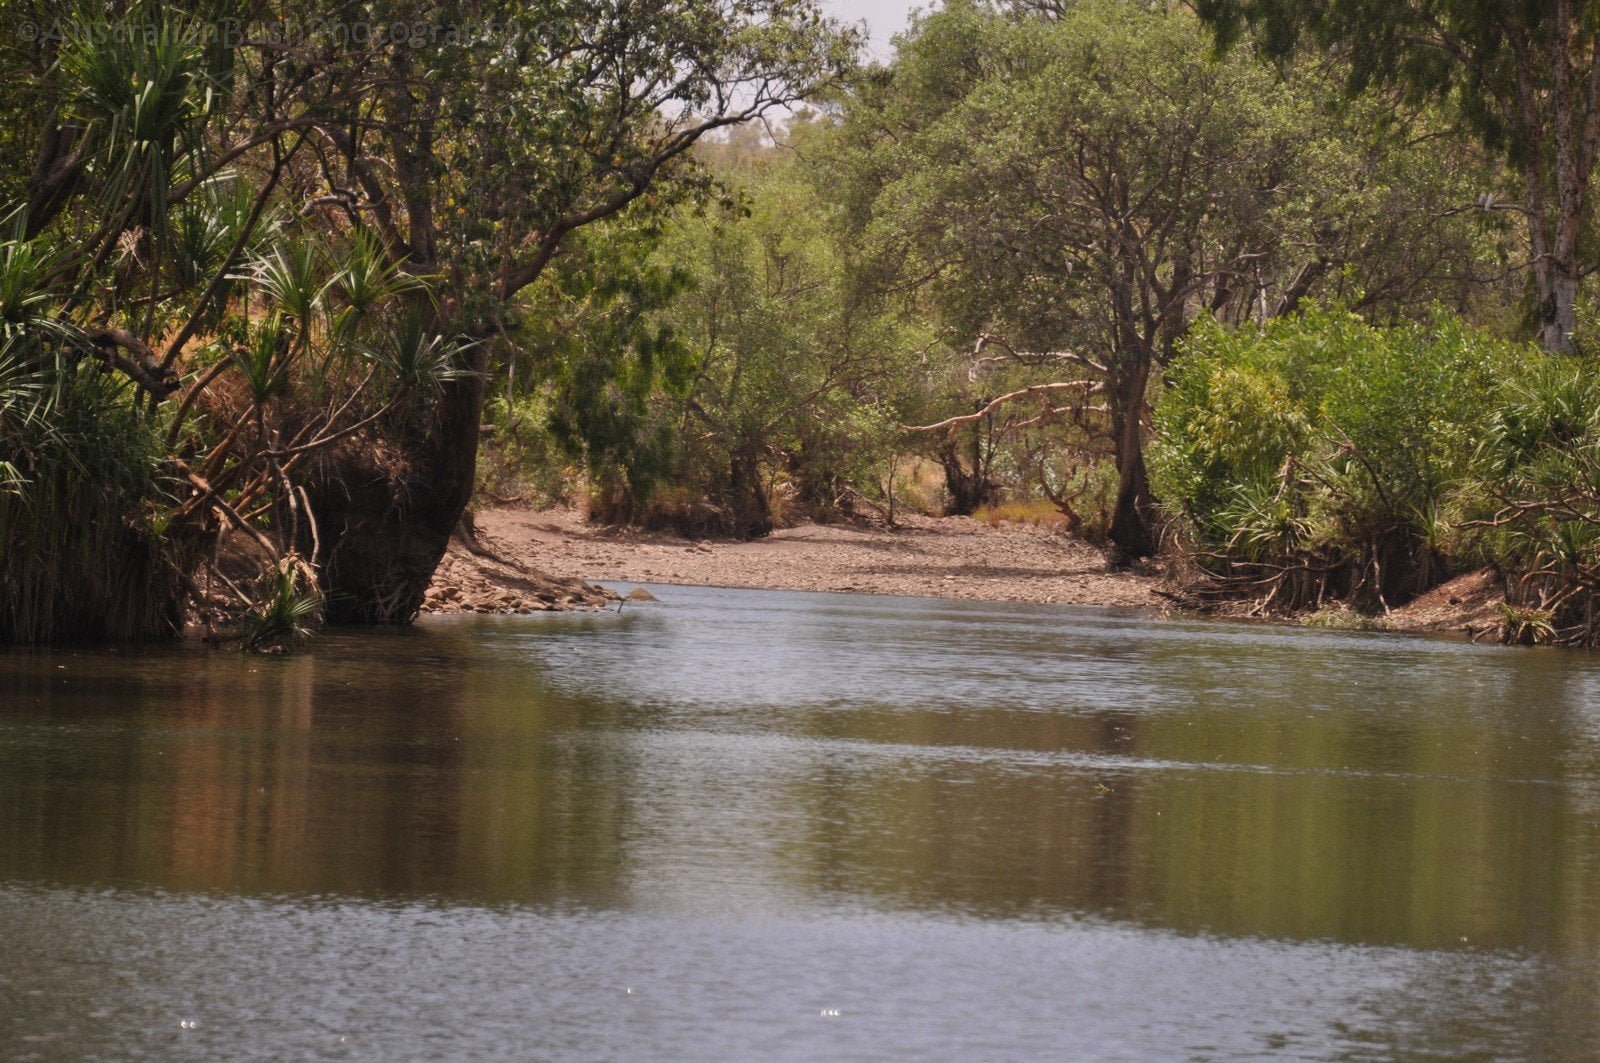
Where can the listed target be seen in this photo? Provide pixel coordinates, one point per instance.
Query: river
(763, 825)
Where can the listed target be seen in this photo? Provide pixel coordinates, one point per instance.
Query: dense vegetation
(297, 249)
(1321, 458)
(1295, 291)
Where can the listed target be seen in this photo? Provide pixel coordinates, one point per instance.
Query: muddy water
(768, 825)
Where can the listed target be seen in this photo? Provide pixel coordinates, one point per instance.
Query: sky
(884, 17)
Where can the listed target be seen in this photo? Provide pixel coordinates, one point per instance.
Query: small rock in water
(639, 594)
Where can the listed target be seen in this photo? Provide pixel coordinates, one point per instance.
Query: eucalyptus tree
(1073, 191)
(1524, 73)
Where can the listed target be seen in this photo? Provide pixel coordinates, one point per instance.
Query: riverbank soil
(483, 575)
(531, 560)
(1466, 605)
(947, 557)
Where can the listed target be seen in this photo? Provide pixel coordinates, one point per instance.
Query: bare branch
(1087, 387)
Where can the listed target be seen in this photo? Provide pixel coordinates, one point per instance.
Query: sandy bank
(531, 560)
(953, 557)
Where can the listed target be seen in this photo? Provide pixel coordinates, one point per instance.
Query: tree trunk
(817, 484)
(385, 518)
(969, 488)
(1130, 521)
(1558, 311)
(747, 495)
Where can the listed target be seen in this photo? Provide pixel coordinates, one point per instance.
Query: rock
(639, 594)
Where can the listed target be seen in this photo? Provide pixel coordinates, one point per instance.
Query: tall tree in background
(1525, 73)
(1073, 192)
(739, 368)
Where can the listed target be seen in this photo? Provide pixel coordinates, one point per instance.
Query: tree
(1524, 73)
(1074, 191)
(1104, 179)
(300, 243)
(153, 293)
(745, 356)
(477, 159)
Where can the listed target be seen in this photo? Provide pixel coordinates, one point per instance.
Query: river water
(760, 825)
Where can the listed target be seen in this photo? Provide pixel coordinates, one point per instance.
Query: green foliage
(366, 279)
(1323, 434)
(1456, 48)
(603, 354)
(138, 89)
(800, 373)
(417, 357)
(719, 354)
(1523, 79)
(79, 489)
(263, 359)
(289, 612)
(1070, 193)
(254, 234)
(1540, 467)
(79, 478)
(314, 266)
(1526, 627)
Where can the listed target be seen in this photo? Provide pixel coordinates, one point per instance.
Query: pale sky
(884, 17)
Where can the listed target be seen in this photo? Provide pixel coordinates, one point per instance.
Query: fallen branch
(1088, 387)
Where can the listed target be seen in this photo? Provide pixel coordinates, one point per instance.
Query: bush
(1324, 457)
(82, 558)
(1539, 491)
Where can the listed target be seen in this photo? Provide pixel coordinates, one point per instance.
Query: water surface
(770, 825)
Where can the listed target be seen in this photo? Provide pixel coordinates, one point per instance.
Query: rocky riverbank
(523, 560)
(507, 568)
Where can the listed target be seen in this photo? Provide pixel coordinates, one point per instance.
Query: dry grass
(1037, 512)
(919, 487)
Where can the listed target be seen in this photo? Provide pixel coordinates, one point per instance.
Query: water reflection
(733, 755)
(330, 774)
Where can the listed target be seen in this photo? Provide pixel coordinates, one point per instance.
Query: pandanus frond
(1555, 408)
(290, 609)
(138, 91)
(25, 390)
(366, 278)
(417, 357)
(28, 297)
(293, 280)
(265, 357)
(208, 225)
(1262, 522)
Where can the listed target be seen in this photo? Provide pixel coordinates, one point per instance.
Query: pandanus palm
(137, 93)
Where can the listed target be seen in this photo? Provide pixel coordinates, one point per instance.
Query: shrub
(1539, 491)
(289, 610)
(82, 558)
(1321, 456)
